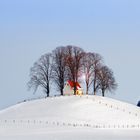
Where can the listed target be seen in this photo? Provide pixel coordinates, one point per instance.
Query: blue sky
(30, 28)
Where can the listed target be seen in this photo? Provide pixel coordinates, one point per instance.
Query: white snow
(71, 117)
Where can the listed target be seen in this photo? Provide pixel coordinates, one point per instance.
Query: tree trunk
(87, 89)
(103, 92)
(94, 86)
(61, 91)
(48, 90)
(74, 89)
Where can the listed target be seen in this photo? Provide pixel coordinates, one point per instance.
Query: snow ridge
(71, 117)
(81, 111)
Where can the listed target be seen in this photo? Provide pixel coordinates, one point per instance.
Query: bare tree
(97, 62)
(69, 63)
(88, 70)
(91, 63)
(40, 74)
(59, 67)
(106, 80)
(74, 63)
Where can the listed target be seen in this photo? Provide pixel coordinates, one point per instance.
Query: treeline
(70, 63)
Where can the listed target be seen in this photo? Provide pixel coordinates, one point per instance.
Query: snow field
(71, 117)
(84, 110)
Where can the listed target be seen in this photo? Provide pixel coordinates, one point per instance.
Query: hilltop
(68, 113)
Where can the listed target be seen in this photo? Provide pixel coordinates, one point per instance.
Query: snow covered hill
(75, 115)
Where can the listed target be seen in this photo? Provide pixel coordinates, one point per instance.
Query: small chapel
(69, 88)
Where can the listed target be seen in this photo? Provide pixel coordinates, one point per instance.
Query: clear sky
(30, 28)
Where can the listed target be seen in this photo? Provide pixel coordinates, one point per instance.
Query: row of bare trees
(70, 63)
